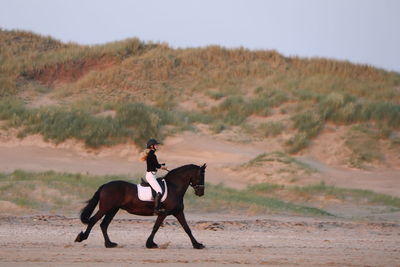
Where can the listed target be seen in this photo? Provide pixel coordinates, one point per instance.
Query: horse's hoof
(198, 246)
(111, 245)
(79, 237)
(151, 245)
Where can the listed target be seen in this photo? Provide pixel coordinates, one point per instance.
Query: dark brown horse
(117, 195)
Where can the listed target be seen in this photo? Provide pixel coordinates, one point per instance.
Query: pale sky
(361, 31)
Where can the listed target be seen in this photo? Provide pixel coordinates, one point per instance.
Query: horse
(117, 195)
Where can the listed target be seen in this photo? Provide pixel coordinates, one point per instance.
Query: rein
(195, 187)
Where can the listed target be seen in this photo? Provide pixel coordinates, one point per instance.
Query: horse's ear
(204, 166)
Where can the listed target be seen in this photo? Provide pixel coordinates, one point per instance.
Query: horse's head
(197, 181)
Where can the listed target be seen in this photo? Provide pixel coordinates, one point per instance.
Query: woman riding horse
(117, 195)
(152, 166)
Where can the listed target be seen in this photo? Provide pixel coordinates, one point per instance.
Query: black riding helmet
(152, 142)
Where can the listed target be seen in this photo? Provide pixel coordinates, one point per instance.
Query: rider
(152, 166)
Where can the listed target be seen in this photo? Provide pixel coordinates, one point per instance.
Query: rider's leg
(152, 180)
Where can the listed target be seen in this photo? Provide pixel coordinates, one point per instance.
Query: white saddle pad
(144, 193)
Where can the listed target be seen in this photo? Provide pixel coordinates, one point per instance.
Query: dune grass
(220, 198)
(27, 55)
(363, 141)
(354, 196)
(277, 156)
(49, 191)
(66, 192)
(159, 77)
(133, 121)
(270, 129)
(342, 108)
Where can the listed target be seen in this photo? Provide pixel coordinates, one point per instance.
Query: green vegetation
(215, 95)
(52, 191)
(145, 83)
(132, 90)
(342, 108)
(49, 191)
(66, 193)
(133, 121)
(311, 192)
(277, 156)
(364, 144)
(355, 195)
(270, 129)
(223, 199)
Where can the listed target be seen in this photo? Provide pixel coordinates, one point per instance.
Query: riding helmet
(152, 142)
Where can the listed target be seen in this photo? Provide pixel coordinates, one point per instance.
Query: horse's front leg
(182, 220)
(150, 241)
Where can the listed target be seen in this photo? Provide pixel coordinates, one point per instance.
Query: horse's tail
(92, 203)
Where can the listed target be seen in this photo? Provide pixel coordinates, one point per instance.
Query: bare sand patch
(224, 159)
(229, 240)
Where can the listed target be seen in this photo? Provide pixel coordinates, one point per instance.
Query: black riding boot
(157, 204)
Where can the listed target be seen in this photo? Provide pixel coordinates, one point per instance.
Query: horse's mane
(180, 169)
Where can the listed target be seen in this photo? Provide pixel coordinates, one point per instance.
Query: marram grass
(245, 82)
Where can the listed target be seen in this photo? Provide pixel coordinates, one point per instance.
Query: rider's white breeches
(152, 180)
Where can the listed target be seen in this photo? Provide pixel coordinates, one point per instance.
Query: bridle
(195, 187)
(198, 186)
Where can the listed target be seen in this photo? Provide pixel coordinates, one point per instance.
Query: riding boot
(157, 203)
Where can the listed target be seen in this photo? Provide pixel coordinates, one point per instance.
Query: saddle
(160, 181)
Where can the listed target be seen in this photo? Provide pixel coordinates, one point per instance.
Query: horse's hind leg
(104, 225)
(92, 221)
